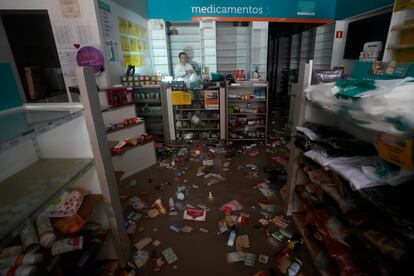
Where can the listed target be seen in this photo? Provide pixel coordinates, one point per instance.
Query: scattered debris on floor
(185, 211)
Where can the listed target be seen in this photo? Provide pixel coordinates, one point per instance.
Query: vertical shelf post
(103, 161)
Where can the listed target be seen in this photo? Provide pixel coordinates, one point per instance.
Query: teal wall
(138, 6)
(348, 8)
(9, 93)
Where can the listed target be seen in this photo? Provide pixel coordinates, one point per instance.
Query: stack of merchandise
(363, 223)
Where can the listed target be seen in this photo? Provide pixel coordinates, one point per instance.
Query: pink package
(70, 205)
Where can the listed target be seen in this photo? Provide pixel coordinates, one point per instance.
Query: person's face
(183, 59)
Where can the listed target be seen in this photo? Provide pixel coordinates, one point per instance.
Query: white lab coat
(179, 69)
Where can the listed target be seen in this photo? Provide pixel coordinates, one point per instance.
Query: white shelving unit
(41, 157)
(307, 45)
(233, 47)
(259, 48)
(375, 217)
(159, 46)
(208, 45)
(241, 125)
(295, 51)
(397, 26)
(324, 39)
(184, 37)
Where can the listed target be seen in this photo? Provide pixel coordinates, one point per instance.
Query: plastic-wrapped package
(322, 95)
(388, 172)
(384, 105)
(360, 88)
(393, 107)
(332, 141)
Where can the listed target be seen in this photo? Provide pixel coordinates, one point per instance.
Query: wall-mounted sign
(245, 10)
(312, 11)
(180, 98)
(92, 57)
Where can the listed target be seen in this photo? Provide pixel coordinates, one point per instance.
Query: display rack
(45, 160)
(400, 39)
(246, 111)
(149, 104)
(188, 127)
(302, 190)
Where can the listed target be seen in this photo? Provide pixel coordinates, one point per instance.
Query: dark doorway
(34, 50)
(285, 53)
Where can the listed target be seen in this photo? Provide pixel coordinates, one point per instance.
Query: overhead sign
(245, 10)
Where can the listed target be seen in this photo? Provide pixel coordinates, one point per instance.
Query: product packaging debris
(169, 255)
(143, 243)
(194, 214)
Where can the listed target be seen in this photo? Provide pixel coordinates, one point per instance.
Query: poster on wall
(211, 100)
(133, 44)
(67, 59)
(70, 8)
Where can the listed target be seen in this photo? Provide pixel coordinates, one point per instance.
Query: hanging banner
(395, 149)
(211, 100)
(181, 98)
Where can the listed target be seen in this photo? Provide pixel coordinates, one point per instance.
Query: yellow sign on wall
(397, 150)
(181, 98)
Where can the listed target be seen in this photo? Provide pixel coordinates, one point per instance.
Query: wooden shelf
(122, 128)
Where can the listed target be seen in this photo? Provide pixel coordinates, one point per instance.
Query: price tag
(395, 149)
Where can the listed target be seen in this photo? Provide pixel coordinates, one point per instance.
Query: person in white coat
(183, 68)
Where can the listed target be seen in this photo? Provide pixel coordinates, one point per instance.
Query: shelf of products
(27, 193)
(357, 203)
(149, 104)
(199, 120)
(246, 108)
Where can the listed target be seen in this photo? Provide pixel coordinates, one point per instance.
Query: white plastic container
(45, 230)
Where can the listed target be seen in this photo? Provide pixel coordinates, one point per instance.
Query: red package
(195, 214)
